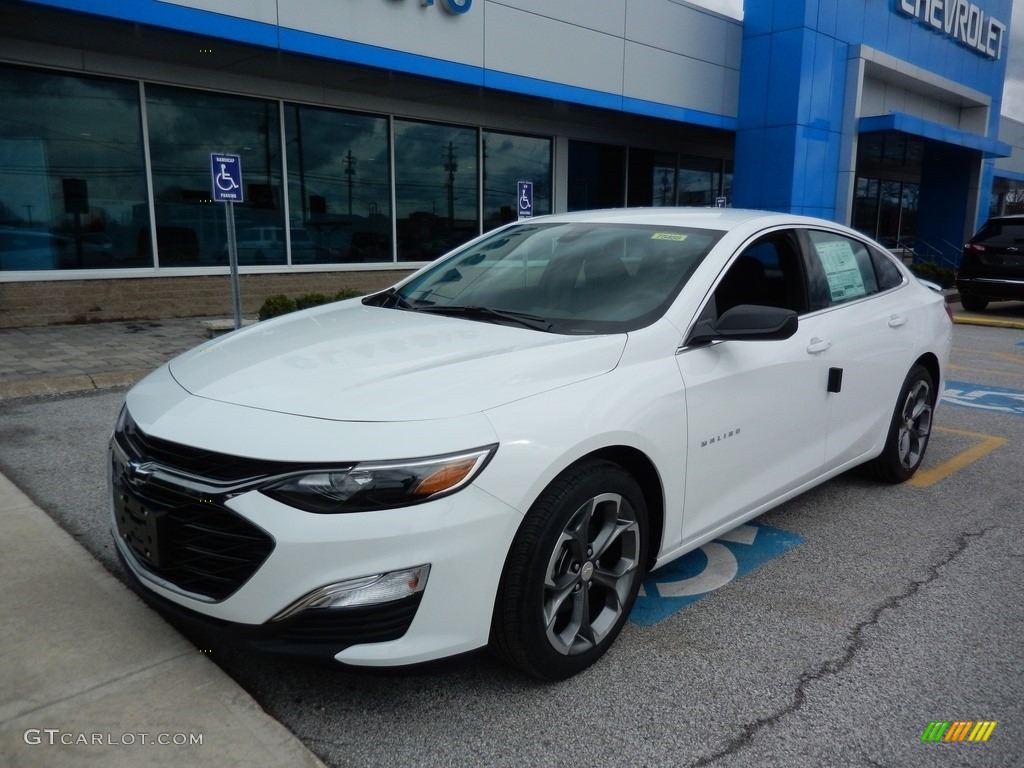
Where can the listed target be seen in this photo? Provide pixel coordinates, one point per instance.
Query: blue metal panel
(785, 72)
(779, 168)
(757, 17)
(850, 20)
(754, 81)
(749, 163)
(827, 18)
(790, 14)
(897, 40)
(656, 109)
(827, 91)
(545, 89)
(897, 121)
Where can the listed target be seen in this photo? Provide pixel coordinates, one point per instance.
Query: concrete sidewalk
(90, 675)
(58, 359)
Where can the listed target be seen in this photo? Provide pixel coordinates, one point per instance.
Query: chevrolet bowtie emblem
(139, 471)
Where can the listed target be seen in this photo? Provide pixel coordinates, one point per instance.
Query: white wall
(663, 51)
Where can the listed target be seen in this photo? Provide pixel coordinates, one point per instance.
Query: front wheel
(573, 572)
(909, 430)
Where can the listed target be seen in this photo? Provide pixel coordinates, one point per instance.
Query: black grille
(177, 527)
(220, 467)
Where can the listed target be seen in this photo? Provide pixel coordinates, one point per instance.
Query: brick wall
(152, 298)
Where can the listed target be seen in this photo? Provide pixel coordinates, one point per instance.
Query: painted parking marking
(984, 397)
(707, 568)
(924, 478)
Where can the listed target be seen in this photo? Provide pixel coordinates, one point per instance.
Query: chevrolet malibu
(494, 451)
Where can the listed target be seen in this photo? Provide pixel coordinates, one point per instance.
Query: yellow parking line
(987, 443)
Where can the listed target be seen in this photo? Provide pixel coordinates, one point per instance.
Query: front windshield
(579, 277)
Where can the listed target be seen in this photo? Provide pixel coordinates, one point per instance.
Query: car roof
(699, 218)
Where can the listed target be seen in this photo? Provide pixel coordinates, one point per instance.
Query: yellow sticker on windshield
(667, 236)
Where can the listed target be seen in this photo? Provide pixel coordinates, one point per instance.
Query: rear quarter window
(888, 274)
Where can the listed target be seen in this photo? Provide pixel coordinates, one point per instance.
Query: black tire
(572, 573)
(909, 429)
(973, 303)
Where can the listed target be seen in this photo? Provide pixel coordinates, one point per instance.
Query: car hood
(352, 362)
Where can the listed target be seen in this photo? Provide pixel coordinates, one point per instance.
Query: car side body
(593, 444)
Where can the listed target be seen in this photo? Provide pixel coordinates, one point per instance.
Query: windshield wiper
(389, 298)
(534, 322)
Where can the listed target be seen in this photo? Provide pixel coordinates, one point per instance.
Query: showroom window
(509, 159)
(665, 178)
(652, 178)
(185, 127)
(886, 210)
(361, 188)
(339, 186)
(597, 176)
(436, 198)
(699, 181)
(72, 173)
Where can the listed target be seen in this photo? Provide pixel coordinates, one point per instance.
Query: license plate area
(139, 526)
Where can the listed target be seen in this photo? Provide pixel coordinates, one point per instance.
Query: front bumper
(232, 560)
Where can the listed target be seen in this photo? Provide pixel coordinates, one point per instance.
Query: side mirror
(746, 322)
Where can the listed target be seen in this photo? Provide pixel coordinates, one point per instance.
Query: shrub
(307, 300)
(944, 276)
(278, 304)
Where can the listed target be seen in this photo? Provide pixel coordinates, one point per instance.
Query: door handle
(818, 345)
(895, 321)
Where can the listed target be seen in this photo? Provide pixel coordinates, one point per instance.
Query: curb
(992, 322)
(66, 385)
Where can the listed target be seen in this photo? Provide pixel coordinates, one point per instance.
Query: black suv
(992, 268)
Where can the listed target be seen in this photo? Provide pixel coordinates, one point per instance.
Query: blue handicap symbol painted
(708, 568)
(984, 397)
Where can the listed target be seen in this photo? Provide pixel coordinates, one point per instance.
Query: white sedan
(496, 450)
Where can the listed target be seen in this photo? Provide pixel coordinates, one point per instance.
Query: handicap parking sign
(710, 567)
(226, 177)
(524, 196)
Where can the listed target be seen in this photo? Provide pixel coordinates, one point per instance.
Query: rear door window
(841, 269)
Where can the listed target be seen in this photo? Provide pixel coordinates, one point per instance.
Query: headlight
(381, 484)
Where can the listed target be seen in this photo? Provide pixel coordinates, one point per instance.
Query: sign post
(524, 196)
(226, 183)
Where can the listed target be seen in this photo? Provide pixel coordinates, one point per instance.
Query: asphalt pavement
(82, 655)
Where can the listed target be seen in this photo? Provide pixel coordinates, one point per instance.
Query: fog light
(366, 590)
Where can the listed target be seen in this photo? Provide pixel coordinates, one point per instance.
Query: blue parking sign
(226, 178)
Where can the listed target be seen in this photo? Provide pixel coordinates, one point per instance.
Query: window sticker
(668, 236)
(841, 270)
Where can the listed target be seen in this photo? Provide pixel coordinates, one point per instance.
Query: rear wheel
(973, 303)
(909, 430)
(573, 572)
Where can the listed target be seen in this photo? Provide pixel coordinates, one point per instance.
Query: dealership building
(350, 141)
